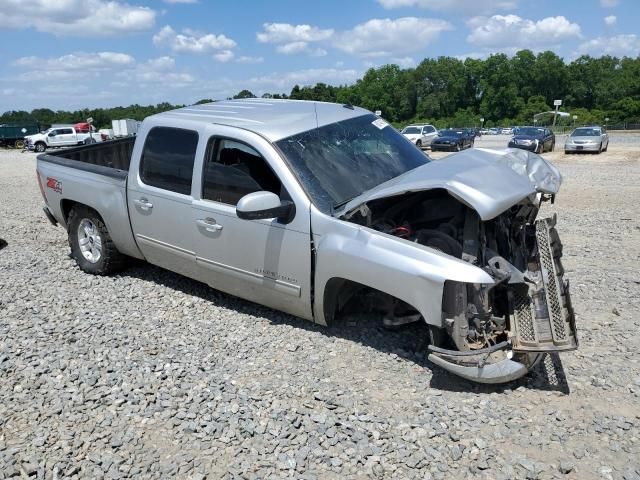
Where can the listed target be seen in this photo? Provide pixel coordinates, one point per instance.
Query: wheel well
(66, 205)
(338, 292)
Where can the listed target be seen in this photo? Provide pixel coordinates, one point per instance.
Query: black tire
(458, 147)
(40, 147)
(600, 149)
(606, 148)
(19, 144)
(419, 144)
(540, 148)
(110, 261)
(553, 147)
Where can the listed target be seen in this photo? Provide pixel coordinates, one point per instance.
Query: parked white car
(60, 137)
(587, 139)
(421, 135)
(507, 131)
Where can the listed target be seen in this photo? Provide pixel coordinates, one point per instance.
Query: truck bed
(111, 158)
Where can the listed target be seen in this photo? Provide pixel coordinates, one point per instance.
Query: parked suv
(421, 135)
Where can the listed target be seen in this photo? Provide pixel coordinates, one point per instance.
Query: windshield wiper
(338, 205)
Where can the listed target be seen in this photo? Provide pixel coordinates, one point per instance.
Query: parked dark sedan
(452, 140)
(534, 139)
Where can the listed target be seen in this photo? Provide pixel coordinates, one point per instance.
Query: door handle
(209, 224)
(144, 204)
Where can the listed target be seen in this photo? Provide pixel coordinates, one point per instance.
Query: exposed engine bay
(495, 332)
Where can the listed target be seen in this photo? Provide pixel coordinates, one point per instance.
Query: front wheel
(458, 147)
(40, 147)
(600, 149)
(553, 146)
(90, 243)
(419, 144)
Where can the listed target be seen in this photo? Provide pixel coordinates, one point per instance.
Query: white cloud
(224, 56)
(619, 45)
(192, 42)
(86, 18)
(513, 32)
(610, 20)
(404, 62)
(181, 1)
(89, 62)
(287, 33)
(478, 6)
(609, 3)
(284, 81)
(249, 60)
(384, 37)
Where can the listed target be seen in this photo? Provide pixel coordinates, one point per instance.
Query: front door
(264, 261)
(160, 199)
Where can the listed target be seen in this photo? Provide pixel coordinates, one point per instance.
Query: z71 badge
(54, 184)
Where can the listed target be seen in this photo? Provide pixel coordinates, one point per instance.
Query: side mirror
(264, 205)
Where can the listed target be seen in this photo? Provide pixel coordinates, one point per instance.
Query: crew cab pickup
(307, 207)
(60, 137)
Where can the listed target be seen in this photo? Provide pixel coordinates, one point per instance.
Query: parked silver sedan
(587, 139)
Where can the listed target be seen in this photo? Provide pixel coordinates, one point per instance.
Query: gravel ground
(151, 375)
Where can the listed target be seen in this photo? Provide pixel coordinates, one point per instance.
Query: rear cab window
(167, 159)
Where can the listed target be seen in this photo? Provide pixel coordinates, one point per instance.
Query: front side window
(233, 170)
(167, 159)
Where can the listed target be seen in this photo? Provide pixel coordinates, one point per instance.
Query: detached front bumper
(585, 147)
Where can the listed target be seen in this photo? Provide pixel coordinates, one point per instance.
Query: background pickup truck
(309, 207)
(60, 137)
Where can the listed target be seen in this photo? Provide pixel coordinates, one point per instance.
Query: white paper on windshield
(380, 123)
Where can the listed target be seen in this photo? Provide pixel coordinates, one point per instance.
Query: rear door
(265, 261)
(159, 198)
(428, 134)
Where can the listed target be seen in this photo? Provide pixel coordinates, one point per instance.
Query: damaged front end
(497, 332)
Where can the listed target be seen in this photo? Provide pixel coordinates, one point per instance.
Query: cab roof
(273, 119)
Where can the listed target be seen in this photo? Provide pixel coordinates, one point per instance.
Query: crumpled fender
(408, 271)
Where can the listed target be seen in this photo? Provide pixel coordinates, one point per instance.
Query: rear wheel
(90, 242)
(19, 144)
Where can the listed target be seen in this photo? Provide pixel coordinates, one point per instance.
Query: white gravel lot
(151, 375)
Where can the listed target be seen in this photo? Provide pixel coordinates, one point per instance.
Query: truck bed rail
(111, 158)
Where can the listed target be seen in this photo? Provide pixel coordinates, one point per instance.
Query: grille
(550, 280)
(524, 316)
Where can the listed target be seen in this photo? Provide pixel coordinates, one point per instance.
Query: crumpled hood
(489, 181)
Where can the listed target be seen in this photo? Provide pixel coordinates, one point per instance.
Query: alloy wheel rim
(90, 241)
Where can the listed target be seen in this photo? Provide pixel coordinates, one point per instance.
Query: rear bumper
(50, 216)
(592, 147)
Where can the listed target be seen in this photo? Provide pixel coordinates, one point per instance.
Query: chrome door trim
(166, 246)
(253, 277)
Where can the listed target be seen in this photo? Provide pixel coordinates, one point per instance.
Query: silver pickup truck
(307, 207)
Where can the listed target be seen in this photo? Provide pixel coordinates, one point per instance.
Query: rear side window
(233, 170)
(167, 159)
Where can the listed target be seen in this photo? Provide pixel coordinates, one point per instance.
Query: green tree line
(448, 91)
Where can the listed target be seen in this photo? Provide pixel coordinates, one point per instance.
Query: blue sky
(67, 54)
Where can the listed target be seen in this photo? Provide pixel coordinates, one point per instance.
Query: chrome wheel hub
(89, 241)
